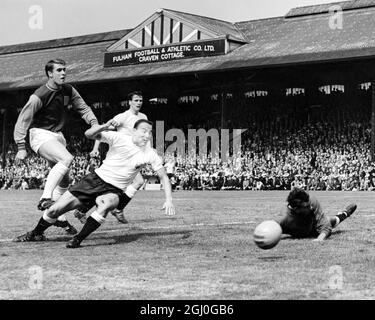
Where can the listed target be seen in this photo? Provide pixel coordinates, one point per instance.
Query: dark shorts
(91, 186)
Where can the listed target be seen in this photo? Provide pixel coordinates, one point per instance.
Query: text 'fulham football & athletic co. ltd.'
(165, 53)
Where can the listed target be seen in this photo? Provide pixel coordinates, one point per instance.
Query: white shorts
(39, 136)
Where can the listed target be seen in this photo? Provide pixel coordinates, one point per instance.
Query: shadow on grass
(134, 237)
(287, 237)
(155, 219)
(271, 258)
(334, 232)
(125, 238)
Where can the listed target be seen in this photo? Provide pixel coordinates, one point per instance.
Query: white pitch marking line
(15, 201)
(185, 226)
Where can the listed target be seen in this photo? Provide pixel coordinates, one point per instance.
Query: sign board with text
(165, 53)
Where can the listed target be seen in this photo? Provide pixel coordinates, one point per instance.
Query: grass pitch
(204, 252)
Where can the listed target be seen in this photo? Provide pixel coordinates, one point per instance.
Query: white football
(267, 234)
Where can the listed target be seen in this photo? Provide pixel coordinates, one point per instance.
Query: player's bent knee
(56, 210)
(53, 212)
(65, 203)
(107, 201)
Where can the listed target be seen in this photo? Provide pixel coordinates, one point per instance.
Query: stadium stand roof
(302, 36)
(325, 8)
(65, 42)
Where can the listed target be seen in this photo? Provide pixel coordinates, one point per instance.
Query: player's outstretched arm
(323, 226)
(322, 236)
(94, 132)
(168, 205)
(95, 150)
(82, 108)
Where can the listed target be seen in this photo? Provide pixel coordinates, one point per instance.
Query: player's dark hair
(142, 121)
(49, 65)
(134, 93)
(297, 196)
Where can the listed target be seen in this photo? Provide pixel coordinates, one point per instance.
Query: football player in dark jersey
(44, 116)
(306, 218)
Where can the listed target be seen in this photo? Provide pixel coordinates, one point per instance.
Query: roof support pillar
(222, 103)
(4, 113)
(373, 120)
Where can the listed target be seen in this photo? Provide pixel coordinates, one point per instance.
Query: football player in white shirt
(125, 121)
(105, 187)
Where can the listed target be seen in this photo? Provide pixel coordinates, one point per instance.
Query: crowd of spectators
(291, 161)
(323, 147)
(32, 172)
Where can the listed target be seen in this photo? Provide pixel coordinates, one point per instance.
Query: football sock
(342, 216)
(93, 222)
(44, 223)
(58, 171)
(130, 191)
(57, 193)
(125, 199)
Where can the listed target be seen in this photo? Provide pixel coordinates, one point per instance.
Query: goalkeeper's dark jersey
(310, 226)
